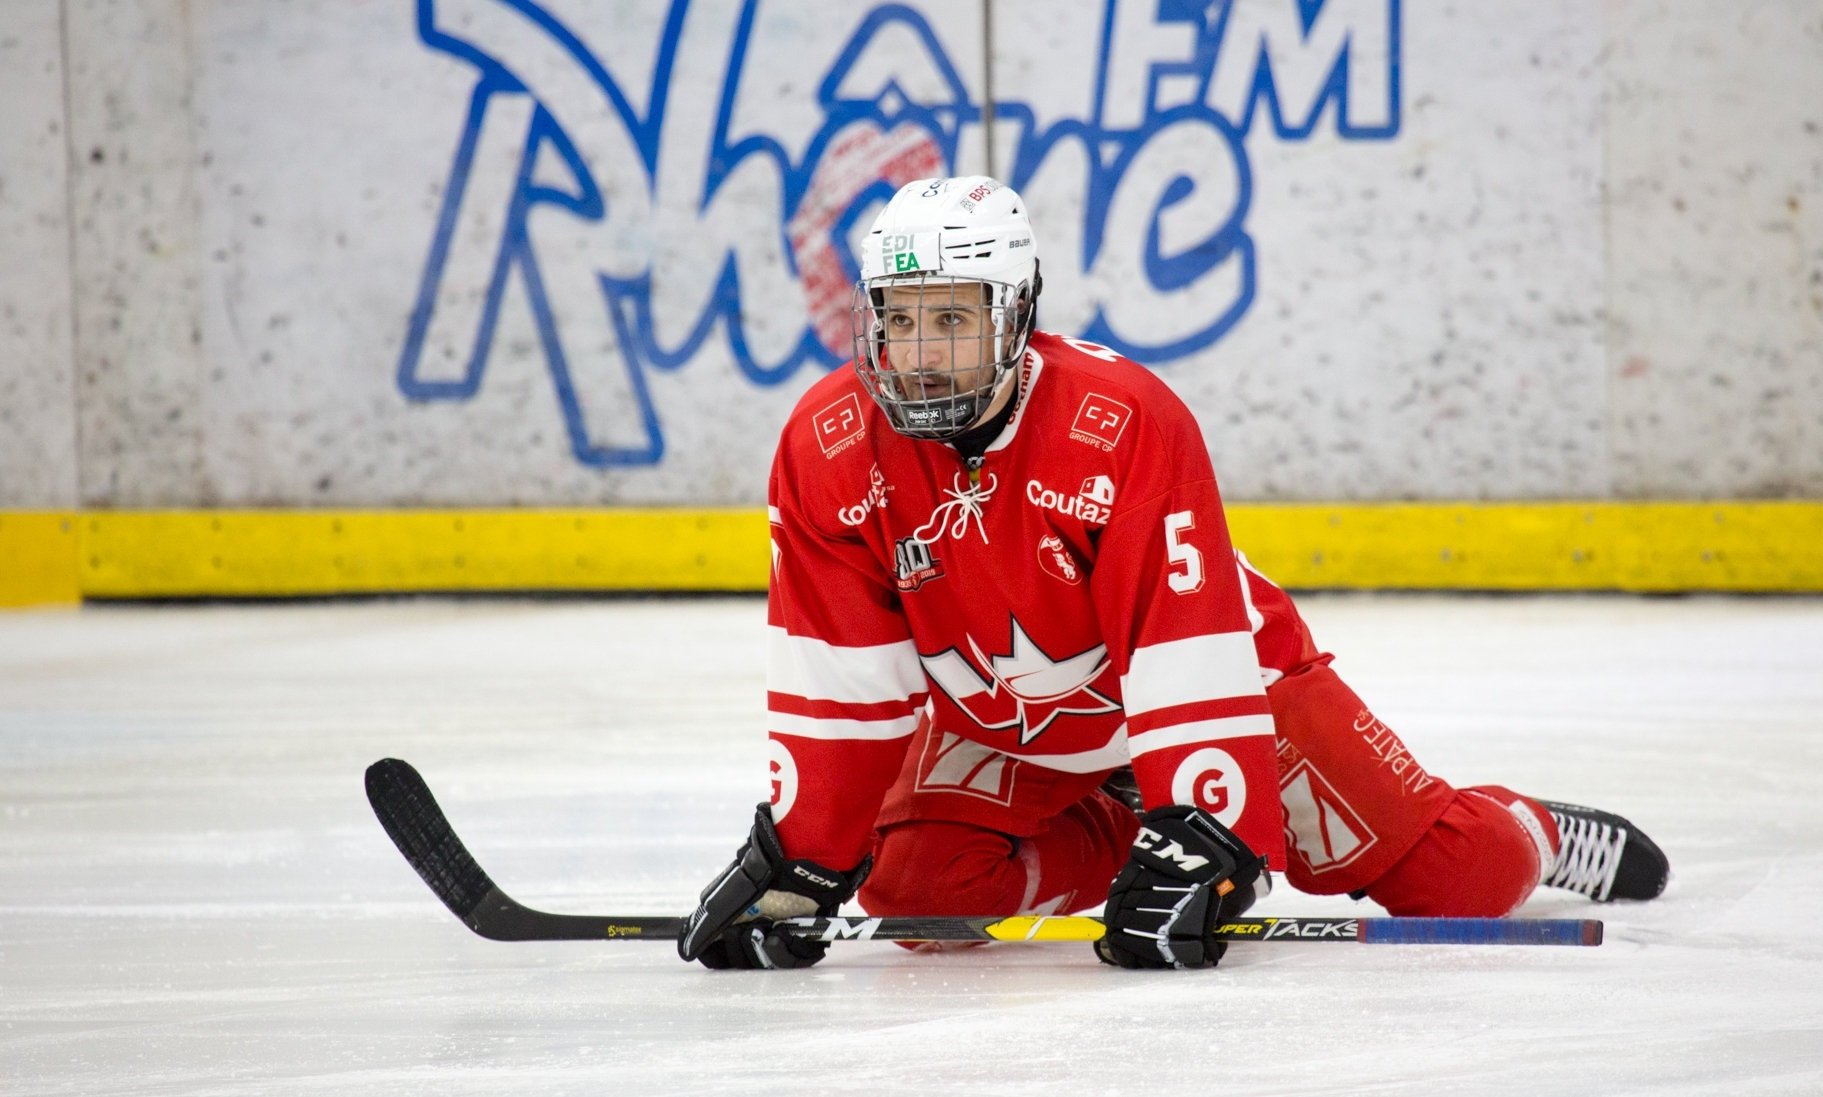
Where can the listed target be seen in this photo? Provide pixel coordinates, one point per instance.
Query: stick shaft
(519, 924)
(417, 826)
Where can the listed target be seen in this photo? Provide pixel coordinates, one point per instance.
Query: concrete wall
(471, 252)
(37, 402)
(1715, 243)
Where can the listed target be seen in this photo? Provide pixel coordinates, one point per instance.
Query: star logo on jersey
(1025, 688)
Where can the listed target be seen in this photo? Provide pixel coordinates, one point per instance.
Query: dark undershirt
(973, 442)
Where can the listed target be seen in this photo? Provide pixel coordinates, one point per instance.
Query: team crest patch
(962, 766)
(1055, 558)
(913, 564)
(839, 425)
(1325, 831)
(1100, 421)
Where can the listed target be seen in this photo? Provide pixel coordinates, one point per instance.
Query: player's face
(939, 339)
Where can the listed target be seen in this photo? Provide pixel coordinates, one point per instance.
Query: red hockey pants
(1361, 815)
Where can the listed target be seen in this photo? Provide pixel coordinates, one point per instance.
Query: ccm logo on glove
(1168, 850)
(820, 881)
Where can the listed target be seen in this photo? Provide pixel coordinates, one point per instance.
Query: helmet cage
(938, 396)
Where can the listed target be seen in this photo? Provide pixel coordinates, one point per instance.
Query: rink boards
(64, 557)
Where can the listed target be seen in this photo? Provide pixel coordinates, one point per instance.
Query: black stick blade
(403, 804)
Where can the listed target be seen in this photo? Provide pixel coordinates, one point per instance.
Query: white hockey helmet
(944, 238)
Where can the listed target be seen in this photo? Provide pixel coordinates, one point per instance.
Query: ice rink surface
(195, 898)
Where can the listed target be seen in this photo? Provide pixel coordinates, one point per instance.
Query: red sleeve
(844, 685)
(1169, 596)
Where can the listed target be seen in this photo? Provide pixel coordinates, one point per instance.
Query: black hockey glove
(733, 927)
(1187, 875)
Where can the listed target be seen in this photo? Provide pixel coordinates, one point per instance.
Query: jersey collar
(1028, 383)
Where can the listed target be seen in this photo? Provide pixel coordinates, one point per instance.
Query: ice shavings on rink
(196, 899)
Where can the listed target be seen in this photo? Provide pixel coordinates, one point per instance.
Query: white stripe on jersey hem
(1198, 668)
(1202, 731)
(813, 727)
(821, 671)
(772, 516)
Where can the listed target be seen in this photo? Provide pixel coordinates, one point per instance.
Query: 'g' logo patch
(784, 779)
(1211, 779)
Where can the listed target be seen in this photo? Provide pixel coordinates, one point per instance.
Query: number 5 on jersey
(1182, 554)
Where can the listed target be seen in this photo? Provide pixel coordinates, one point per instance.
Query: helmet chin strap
(972, 443)
(1004, 390)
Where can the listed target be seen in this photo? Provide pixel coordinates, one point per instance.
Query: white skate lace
(1587, 857)
(963, 504)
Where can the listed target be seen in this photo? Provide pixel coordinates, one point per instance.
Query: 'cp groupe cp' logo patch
(839, 425)
(1100, 421)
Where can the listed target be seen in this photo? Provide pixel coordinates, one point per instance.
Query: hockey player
(1003, 594)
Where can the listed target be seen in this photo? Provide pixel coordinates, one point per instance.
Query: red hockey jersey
(1075, 604)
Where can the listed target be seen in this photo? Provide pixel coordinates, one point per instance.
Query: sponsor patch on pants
(1325, 832)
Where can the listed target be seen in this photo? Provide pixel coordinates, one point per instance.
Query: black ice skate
(1604, 856)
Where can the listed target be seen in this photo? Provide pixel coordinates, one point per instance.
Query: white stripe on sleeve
(812, 727)
(821, 671)
(1199, 668)
(1201, 731)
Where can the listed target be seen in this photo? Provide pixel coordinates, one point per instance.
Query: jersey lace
(962, 506)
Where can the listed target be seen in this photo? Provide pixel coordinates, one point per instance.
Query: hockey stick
(405, 807)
